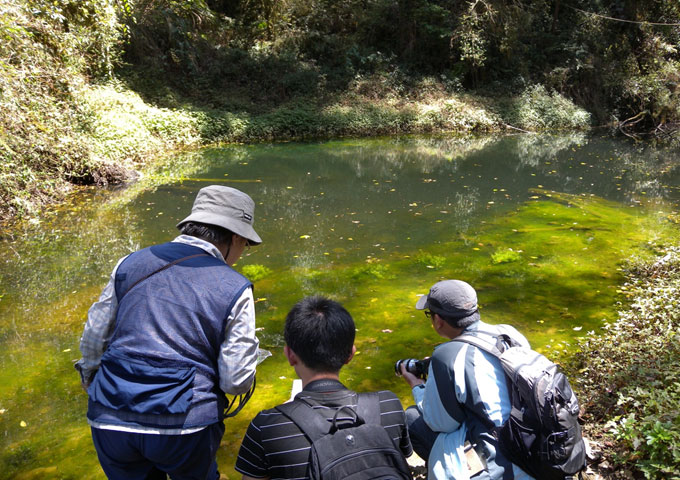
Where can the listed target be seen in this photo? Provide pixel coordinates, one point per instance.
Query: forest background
(91, 91)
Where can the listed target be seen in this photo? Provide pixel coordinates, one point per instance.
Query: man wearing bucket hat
(465, 388)
(172, 332)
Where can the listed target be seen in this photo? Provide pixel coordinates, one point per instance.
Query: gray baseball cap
(452, 298)
(225, 207)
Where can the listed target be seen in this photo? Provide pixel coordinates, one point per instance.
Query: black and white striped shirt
(275, 447)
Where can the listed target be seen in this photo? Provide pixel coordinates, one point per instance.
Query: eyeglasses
(429, 314)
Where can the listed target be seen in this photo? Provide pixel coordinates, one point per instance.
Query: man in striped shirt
(319, 336)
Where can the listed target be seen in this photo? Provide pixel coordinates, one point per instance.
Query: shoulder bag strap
(166, 266)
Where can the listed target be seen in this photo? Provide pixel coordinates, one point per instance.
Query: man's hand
(411, 379)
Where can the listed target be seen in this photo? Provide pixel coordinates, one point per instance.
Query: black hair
(210, 233)
(461, 322)
(321, 333)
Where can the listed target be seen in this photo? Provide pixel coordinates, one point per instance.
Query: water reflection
(537, 224)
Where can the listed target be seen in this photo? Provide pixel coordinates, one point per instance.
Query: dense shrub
(536, 109)
(628, 375)
(45, 48)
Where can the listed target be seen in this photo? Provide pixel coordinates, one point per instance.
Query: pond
(539, 225)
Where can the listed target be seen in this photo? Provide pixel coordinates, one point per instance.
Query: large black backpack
(341, 450)
(542, 434)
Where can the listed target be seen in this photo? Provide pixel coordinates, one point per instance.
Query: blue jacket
(463, 384)
(160, 368)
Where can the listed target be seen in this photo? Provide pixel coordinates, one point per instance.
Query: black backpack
(542, 435)
(340, 450)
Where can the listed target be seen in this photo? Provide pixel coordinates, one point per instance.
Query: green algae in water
(255, 272)
(505, 255)
(371, 223)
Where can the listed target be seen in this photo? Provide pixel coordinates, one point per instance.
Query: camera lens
(413, 366)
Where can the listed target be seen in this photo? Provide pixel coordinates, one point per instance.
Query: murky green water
(539, 225)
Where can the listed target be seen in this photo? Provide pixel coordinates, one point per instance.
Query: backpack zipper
(355, 454)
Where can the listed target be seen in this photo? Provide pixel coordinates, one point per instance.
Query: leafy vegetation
(627, 375)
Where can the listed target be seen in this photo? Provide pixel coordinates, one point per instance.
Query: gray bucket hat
(225, 207)
(454, 299)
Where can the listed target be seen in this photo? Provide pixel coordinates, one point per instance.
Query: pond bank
(110, 134)
(627, 375)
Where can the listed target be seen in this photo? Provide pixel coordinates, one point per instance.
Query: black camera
(414, 366)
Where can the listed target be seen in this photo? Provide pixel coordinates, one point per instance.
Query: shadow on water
(539, 225)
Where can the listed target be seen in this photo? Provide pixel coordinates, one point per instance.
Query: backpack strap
(303, 415)
(368, 407)
(496, 349)
(494, 344)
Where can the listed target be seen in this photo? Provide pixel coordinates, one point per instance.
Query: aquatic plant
(371, 270)
(505, 255)
(255, 272)
(429, 260)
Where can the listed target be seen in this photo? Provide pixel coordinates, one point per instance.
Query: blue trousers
(422, 436)
(143, 456)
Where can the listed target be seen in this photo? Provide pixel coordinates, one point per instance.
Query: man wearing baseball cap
(464, 393)
(172, 332)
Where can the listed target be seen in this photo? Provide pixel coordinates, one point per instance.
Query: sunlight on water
(538, 225)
